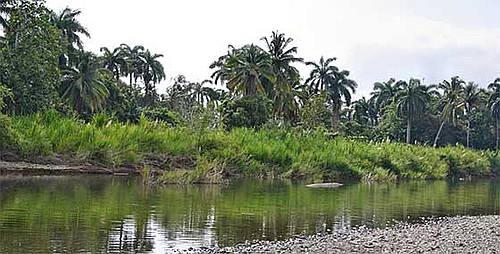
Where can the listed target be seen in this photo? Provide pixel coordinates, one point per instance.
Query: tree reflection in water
(97, 214)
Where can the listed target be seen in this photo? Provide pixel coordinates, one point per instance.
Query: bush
(7, 137)
(312, 156)
(249, 111)
(163, 115)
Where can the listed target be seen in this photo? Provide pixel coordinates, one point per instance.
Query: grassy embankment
(221, 155)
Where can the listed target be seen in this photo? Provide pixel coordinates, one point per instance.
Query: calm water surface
(112, 214)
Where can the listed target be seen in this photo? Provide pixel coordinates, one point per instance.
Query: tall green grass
(244, 152)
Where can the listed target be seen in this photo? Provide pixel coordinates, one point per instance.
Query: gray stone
(324, 185)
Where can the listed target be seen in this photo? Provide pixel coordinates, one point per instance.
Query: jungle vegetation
(108, 107)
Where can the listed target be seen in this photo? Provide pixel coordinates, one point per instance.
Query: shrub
(162, 114)
(7, 137)
(249, 111)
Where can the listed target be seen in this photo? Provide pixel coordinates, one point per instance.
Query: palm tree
(82, 84)
(245, 70)
(135, 60)
(322, 74)
(71, 29)
(411, 101)
(287, 76)
(325, 76)
(200, 93)
(365, 111)
(451, 100)
(5, 10)
(384, 93)
(114, 61)
(472, 96)
(494, 104)
(152, 73)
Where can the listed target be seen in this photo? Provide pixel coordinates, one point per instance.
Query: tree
(5, 10)
(152, 73)
(494, 104)
(71, 30)
(384, 93)
(314, 113)
(287, 76)
(29, 58)
(411, 101)
(365, 111)
(4, 93)
(114, 61)
(135, 61)
(451, 101)
(200, 93)
(325, 76)
(472, 97)
(248, 111)
(83, 84)
(245, 70)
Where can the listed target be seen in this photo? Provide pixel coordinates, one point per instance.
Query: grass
(314, 157)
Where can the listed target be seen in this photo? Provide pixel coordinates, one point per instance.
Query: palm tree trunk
(468, 133)
(408, 131)
(335, 117)
(498, 133)
(438, 134)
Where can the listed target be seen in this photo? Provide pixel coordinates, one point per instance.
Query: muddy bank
(11, 164)
(445, 235)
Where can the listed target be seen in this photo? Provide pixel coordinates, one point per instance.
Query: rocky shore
(444, 235)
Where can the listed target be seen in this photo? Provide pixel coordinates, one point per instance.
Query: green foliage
(244, 152)
(123, 101)
(161, 114)
(314, 114)
(206, 171)
(249, 111)
(103, 139)
(29, 59)
(8, 140)
(86, 84)
(4, 93)
(247, 70)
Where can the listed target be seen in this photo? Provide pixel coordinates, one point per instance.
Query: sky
(375, 40)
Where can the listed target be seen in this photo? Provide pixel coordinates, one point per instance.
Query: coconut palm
(472, 97)
(322, 74)
(152, 73)
(135, 62)
(384, 93)
(71, 30)
(451, 101)
(365, 111)
(114, 61)
(201, 93)
(5, 10)
(70, 27)
(411, 100)
(287, 76)
(245, 70)
(494, 104)
(82, 84)
(338, 87)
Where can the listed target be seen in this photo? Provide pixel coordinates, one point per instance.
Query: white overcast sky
(374, 39)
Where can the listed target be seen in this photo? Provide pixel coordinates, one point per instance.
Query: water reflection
(106, 214)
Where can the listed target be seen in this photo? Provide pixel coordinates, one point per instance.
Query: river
(117, 214)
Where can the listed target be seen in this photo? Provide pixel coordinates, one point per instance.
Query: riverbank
(206, 155)
(444, 235)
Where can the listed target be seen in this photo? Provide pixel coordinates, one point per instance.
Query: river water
(116, 214)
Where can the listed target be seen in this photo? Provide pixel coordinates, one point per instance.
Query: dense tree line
(44, 65)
